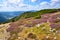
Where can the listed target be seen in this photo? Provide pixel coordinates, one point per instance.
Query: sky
(27, 5)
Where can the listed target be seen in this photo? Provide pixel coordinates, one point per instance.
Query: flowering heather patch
(54, 18)
(53, 25)
(45, 28)
(55, 21)
(29, 22)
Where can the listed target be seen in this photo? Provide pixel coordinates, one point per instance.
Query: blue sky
(26, 5)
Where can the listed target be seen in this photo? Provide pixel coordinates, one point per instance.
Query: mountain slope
(44, 27)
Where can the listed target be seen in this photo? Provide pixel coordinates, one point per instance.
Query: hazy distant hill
(2, 18)
(7, 15)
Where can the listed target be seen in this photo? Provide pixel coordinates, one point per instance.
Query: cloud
(19, 5)
(11, 2)
(44, 3)
(16, 5)
(55, 2)
(51, 4)
(15, 1)
(33, 0)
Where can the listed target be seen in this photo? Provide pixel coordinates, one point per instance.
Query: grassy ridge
(32, 14)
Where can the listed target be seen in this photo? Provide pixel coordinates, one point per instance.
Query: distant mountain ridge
(8, 15)
(2, 18)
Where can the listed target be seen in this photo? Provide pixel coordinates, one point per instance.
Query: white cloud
(22, 4)
(13, 5)
(55, 2)
(14, 1)
(52, 4)
(16, 5)
(33, 0)
(44, 3)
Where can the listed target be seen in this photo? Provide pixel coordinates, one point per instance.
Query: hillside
(39, 26)
(36, 14)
